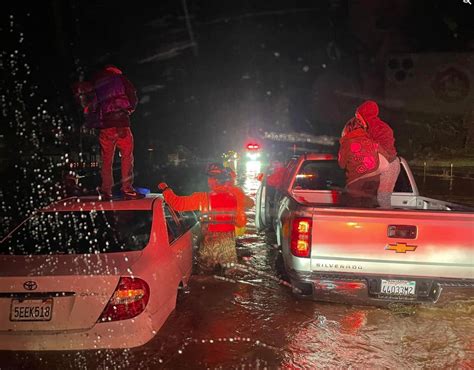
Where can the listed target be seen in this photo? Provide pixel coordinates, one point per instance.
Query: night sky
(254, 64)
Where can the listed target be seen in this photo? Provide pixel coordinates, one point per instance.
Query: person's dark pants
(362, 193)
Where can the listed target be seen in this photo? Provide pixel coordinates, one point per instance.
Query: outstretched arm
(194, 202)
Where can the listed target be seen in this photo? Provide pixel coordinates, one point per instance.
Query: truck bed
(399, 201)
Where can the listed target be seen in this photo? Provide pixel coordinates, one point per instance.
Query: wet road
(249, 319)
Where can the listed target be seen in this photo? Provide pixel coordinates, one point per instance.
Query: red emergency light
(253, 146)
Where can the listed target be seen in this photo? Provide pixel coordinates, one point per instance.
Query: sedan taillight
(301, 236)
(129, 300)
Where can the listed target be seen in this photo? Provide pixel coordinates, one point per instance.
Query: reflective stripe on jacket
(218, 208)
(221, 212)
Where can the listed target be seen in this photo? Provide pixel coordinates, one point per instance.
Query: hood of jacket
(369, 109)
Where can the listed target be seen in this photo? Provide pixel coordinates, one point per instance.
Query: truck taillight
(301, 236)
(129, 300)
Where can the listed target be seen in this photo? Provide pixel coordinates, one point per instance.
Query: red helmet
(217, 170)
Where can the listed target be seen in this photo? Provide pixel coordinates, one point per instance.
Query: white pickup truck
(419, 251)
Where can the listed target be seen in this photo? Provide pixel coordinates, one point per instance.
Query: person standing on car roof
(382, 134)
(358, 155)
(222, 215)
(108, 101)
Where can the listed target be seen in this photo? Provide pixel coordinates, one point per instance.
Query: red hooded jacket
(378, 130)
(358, 155)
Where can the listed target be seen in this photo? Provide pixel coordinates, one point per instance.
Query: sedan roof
(89, 203)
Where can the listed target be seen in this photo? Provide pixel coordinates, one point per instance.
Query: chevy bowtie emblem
(400, 247)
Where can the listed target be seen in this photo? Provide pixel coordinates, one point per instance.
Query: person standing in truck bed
(381, 134)
(358, 156)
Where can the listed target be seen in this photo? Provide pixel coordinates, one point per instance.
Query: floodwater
(249, 319)
(455, 189)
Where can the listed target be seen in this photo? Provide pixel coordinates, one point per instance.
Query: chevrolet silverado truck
(418, 251)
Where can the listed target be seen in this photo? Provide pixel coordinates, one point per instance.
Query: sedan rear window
(80, 233)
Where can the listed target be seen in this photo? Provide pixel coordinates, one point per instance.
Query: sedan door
(181, 241)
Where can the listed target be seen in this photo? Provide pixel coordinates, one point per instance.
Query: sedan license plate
(31, 309)
(398, 287)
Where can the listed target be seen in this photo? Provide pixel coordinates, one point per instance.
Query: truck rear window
(80, 233)
(319, 175)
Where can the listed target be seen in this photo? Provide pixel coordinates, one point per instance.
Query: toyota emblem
(30, 285)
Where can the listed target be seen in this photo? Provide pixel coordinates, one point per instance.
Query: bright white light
(253, 167)
(251, 183)
(253, 156)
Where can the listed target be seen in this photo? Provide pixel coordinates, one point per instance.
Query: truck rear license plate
(398, 287)
(31, 309)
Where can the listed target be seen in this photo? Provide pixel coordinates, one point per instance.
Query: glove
(239, 231)
(163, 186)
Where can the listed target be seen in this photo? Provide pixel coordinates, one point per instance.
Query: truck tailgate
(358, 241)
